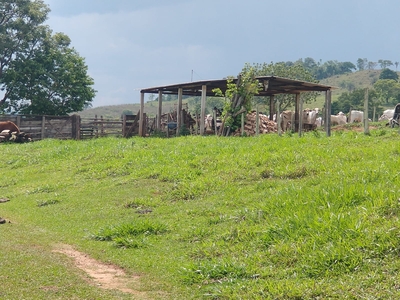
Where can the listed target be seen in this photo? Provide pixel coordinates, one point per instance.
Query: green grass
(263, 217)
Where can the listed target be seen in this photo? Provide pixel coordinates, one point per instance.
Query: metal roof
(272, 86)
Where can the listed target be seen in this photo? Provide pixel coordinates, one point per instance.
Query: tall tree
(388, 74)
(371, 65)
(21, 31)
(384, 63)
(39, 72)
(387, 90)
(53, 81)
(362, 64)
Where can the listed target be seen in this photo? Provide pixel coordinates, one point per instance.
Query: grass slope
(266, 217)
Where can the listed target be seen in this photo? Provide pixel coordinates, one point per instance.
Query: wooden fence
(73, 127)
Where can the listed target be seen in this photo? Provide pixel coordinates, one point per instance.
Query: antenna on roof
(191, 78)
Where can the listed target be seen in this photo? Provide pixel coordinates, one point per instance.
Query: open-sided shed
(273, 85)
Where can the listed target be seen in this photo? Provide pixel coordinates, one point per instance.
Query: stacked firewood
(250, 125)
(17, 137)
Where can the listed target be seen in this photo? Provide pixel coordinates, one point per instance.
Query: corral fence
(75, 127)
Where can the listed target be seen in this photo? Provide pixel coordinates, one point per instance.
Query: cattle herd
(311, 119)
(9, 132)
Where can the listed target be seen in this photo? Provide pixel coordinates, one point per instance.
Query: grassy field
(195, 217)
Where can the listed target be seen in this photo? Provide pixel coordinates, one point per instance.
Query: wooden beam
(298, 98)
(271, 107)
(203, 108)
(141, 114)
(159, 110)
(278, 117)
(328, 112)
(179, 112)
(365, 121)
(296, 112)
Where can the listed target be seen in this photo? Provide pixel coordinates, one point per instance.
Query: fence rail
(71, 127)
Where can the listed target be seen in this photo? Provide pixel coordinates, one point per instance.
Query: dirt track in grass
(106, 276)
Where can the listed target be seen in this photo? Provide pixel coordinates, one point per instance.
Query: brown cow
(8, 125)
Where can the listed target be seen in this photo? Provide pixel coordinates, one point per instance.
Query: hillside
(349, 81)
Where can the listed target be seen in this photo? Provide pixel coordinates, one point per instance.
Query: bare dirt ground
(105, 276)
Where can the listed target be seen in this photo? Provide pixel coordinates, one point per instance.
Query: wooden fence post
(124, 125)
(76, 127)
(43, 127)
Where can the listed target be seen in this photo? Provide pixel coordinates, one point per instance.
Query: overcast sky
(133, 44)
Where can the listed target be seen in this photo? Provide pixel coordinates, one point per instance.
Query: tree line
(322, 70)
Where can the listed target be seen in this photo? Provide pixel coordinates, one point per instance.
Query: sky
(129, 45)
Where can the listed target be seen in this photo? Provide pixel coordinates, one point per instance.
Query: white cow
(209, 124)
(318, 121)
(387, 115)
(309, 117)
(339, 119)
(287, 119)
(356, 116)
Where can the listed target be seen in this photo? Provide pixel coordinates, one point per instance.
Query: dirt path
(102, 275)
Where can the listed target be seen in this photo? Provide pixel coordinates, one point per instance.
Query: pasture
(195, 217)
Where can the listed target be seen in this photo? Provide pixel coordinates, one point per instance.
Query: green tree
(384, 63)
(40, 72)
(362, 64)
(388, 74)
(53, 81)
(387, 90)
(296, 71)
(21, 31)
(355, 100)
(371, 65)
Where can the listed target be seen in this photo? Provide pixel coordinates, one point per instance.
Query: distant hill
(342, 83)
(351, 81)
(116, 111)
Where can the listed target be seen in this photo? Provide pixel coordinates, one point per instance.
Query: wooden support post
(159, 110)
(242, 128)
(300, 114)
(271, 107)
(203, 108)
(214, 121)
(278, 117)
(141, 114)
(296, 113)
(365, 121)
(257, 122)
(179, 112)
(328, 113)
(168, 120)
